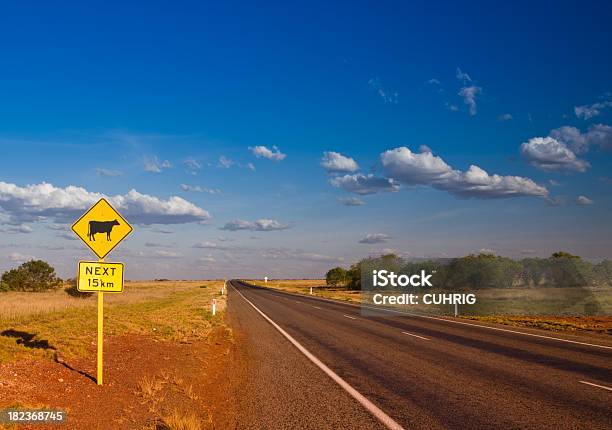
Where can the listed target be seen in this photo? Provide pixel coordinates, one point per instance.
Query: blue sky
(153, 95)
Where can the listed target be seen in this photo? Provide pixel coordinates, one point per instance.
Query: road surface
(420, 373)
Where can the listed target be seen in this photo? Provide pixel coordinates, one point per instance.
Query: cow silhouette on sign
(101, 227)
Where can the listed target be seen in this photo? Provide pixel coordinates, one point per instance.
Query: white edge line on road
(446, 320)
(415, 335)
(348, 316)
(371, 407)
(596, 385)
(316, 307)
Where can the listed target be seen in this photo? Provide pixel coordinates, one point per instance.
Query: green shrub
(72, 290)
(33, 275)
(335, 277)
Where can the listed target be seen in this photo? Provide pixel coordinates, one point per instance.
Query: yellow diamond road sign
(101, 228)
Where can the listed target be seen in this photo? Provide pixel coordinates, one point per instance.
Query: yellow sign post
(101, 228)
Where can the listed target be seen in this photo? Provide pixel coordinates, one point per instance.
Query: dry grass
(602, 325)
(174, 310)
(302, 286)
(160, 393)
(15, 305)
(181, 421)
(148, 387)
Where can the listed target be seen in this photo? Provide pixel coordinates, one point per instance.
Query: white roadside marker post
(214, 307)
(456, 309)
(311, 291)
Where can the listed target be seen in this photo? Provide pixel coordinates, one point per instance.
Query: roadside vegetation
(562, 284)
(32, 276)
(174, 310)
(600, 325)
(163, 339)
(303, 286)
(562, 292)
(37, 307)
(481, 271)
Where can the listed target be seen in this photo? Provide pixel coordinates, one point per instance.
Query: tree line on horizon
(475, 271)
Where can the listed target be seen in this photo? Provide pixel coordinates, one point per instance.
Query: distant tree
(33, 275)
(602, 272)
(567, 270)
(353, 276)
(389, 262)
(336, 276)
(482, 271)
(534, 271)
(436, 268)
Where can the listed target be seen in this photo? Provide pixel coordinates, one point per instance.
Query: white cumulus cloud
(584, 201)
(225, 162)
(152, 164)
(21, 228)
(597, 135)
(600, 135)
(375, 238)
(192, 165)
(364, 184)
(199, 189)
(592, 110)
(263, 224)
(45, 201)
(469, 97)
(273, 154)
(462, 76)
(428, 169)
(336, 162)
(547, 153)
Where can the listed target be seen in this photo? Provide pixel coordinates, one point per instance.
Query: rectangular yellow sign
(100, 276)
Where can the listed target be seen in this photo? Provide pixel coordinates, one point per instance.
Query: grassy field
(51, 323)
(302, 286)
(557, 309)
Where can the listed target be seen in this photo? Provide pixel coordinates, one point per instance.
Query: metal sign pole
(100, 378)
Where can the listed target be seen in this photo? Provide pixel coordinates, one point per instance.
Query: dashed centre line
(415, 335)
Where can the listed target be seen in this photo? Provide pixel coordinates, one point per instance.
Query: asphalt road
(422, 373)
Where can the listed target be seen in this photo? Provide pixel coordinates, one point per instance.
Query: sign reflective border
(100, 276)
